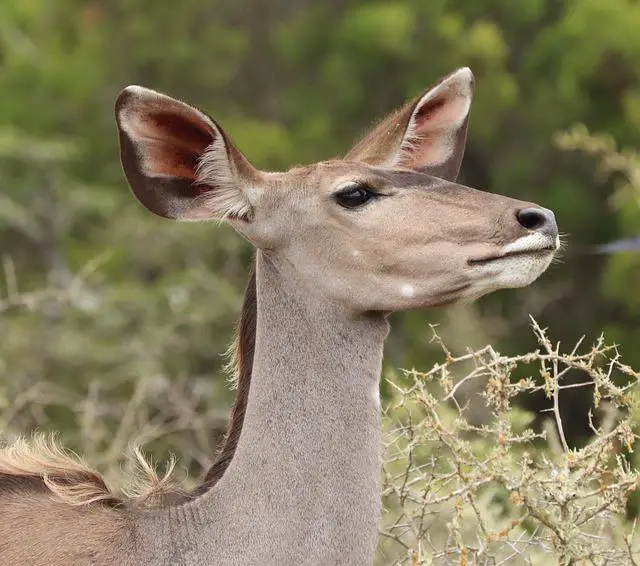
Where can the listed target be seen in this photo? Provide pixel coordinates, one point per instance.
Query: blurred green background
(97, 295)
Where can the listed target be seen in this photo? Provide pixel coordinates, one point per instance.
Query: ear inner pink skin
(173, 143)
(431, 136)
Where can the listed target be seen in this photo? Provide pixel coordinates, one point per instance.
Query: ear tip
(133, 93)
(464, 75)
(460, 81)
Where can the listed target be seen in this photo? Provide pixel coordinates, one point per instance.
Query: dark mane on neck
(242, 352)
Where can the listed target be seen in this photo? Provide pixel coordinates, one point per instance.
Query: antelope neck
(306, 470)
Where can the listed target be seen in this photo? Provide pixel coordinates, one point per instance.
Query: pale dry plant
(122, 421)
(623, 164)
(502, 493)
(610, 159)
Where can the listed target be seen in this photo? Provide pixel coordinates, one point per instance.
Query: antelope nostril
(530, 218)
(539, 220)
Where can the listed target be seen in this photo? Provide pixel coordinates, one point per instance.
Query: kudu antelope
(340, 244)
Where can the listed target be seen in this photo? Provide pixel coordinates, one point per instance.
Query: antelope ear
(178, 161)
(428, 134)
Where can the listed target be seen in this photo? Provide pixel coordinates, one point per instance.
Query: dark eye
(354, 195)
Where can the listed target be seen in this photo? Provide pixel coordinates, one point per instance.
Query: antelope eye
(354, 195)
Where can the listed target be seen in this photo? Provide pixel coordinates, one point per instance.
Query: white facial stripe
(407, 291)
(515, 270)
(343, 185)
(531, 242)
(509, 272)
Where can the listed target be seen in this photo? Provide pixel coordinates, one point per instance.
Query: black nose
(539, 220)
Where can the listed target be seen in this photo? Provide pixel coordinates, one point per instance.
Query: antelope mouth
(535, 252)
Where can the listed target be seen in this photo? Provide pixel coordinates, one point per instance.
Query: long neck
(303, 484)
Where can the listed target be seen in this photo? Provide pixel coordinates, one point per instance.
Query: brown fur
(37, 527)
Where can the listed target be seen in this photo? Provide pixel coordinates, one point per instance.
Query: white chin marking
(531, 242)
(517, 270)
(355, 253)
(512, 272)
(407, 291)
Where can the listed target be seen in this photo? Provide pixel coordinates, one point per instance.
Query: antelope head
(385, 228)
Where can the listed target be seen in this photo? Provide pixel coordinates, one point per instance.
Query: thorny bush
(457, 492)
